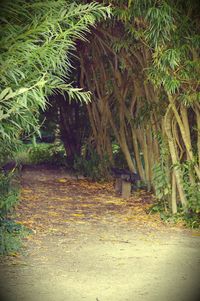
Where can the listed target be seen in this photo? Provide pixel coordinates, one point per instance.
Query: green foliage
(8, 194)
(157, 207)
(193, 194)
(187, 218)
(11, 235)
(161, 25)
(161, 182)
(37, 39)
(115, 148)
(160, 171)
(45, 153)
(21, 156)
(170, 32)
(92, 166)
(191, 219)
(192, 190)
(174, 67)
(10, 232)
(8, 150)
(118, 156)
(39, 154)
(162, 188)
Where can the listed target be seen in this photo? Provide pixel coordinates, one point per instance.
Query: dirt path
(90, 245)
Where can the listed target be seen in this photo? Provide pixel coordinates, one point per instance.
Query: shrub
(10, 232)
(11, 235)
(8, 195)
(92, 166)
(188, 218)
(39, 154)
(42, 153)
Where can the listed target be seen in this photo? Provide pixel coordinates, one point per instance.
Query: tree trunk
(173, 196)
(198, 134)
(173, 153)
(184, 115)
(184, 135)
(137, 154)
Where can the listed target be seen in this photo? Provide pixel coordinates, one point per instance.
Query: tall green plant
(37, 39)
(161, 172)
(168, 35)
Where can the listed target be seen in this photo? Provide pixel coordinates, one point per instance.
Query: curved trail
(88, 244)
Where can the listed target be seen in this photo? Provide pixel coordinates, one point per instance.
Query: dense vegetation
(123, 93)
(37, 41)
(143, 70)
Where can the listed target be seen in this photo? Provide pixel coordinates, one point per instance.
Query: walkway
(88, 244)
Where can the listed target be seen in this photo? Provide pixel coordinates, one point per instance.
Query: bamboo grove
(143, 71)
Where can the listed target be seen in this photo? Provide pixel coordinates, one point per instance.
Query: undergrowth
(42, 153)
(11, 233)
(93, 166)
(188, 218)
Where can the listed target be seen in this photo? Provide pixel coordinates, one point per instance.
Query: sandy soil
(89, 244)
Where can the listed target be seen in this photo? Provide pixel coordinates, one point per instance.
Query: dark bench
(123, 180)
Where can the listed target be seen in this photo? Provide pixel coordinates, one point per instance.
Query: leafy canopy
(37, 39)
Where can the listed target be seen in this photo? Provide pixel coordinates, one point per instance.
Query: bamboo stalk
(175, 161)
(173, 196)
(198, 133)
(137, 153)
(184, 135)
